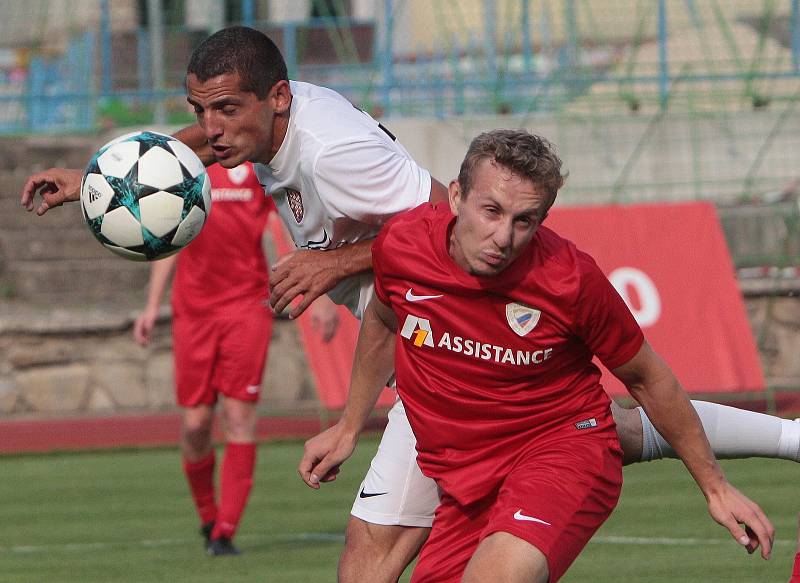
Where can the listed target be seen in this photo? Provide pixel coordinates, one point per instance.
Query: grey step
(72, 243)
(81, 280)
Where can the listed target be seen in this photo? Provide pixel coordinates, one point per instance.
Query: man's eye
(229, 110)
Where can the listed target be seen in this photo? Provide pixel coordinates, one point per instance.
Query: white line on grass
(329, 537)
(165, 542)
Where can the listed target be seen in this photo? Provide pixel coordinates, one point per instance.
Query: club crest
(522, 318)
(295, 200)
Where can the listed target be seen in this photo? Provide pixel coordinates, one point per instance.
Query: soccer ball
(145, 195)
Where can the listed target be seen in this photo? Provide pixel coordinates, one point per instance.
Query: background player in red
(491, 323)
(221, 331)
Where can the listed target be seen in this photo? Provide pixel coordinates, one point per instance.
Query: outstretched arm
(372, 366)
(55, 185)
(652, 383)
(59, 185)
(312, 273)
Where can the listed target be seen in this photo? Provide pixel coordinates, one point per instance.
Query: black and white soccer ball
(145, 195)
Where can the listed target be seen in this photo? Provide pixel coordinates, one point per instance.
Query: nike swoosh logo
(518, 515)
(413, 298)
(363, 494)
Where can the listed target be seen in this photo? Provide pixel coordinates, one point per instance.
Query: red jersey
(488, 367)
(223, 272)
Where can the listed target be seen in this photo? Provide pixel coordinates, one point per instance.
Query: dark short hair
(526, 154)
(241, 50)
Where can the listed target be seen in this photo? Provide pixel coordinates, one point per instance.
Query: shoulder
(413, 228)
(326, 116)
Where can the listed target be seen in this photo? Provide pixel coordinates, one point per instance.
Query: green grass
(125, 516)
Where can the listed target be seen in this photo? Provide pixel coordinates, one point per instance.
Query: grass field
(125, 516)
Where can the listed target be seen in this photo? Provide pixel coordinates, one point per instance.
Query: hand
(325, 318)
(303, 272)
(56, 186)
(143, 326)
(324, 454)
(732, 509)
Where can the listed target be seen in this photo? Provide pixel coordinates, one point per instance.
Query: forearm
(670, 410)
(160, 272)
(373, 364)
(354, 258)
(194, 137)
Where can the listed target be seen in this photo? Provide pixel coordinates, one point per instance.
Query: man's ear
(454, 196)
(281, 96)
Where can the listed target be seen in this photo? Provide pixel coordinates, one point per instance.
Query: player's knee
(240, 421)
(196, 433)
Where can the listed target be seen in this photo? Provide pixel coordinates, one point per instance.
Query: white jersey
(337, 177)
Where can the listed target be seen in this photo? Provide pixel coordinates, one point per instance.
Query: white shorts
(395, 491)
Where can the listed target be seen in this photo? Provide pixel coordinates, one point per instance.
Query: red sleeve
(603, 321)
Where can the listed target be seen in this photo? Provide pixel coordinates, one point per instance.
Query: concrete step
(74, 279)
(72, 243)
(15, 217)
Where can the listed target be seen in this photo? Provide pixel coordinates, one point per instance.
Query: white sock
(733, 433)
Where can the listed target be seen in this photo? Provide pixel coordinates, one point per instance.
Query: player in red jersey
(221, 331)
(491, 322)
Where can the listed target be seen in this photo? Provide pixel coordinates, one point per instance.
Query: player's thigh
(378, 553)
(242, 354)
(395, 491)
(504, 557)
(453, 539)
(557, 496)
(629, 430)
(194, 347)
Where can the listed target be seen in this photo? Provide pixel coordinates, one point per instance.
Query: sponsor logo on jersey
(323, 243)
(522, 318)
(295, 200)
(363, 494)
(419, 332)
(238, 174)
(411, 297)
(518, 515)
(231, 194)
(586, 423)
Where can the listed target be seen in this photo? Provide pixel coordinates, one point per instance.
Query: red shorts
(224, 356)
(555, 498)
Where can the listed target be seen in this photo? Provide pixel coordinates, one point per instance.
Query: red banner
(668, 261)
(671, 264)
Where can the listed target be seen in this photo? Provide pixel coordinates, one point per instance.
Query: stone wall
(85, 362)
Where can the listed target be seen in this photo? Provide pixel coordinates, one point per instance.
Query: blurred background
(647, 102)
(652, 104)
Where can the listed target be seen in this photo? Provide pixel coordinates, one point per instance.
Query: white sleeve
(369, 181)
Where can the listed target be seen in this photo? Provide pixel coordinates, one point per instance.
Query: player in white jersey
(339, 175)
